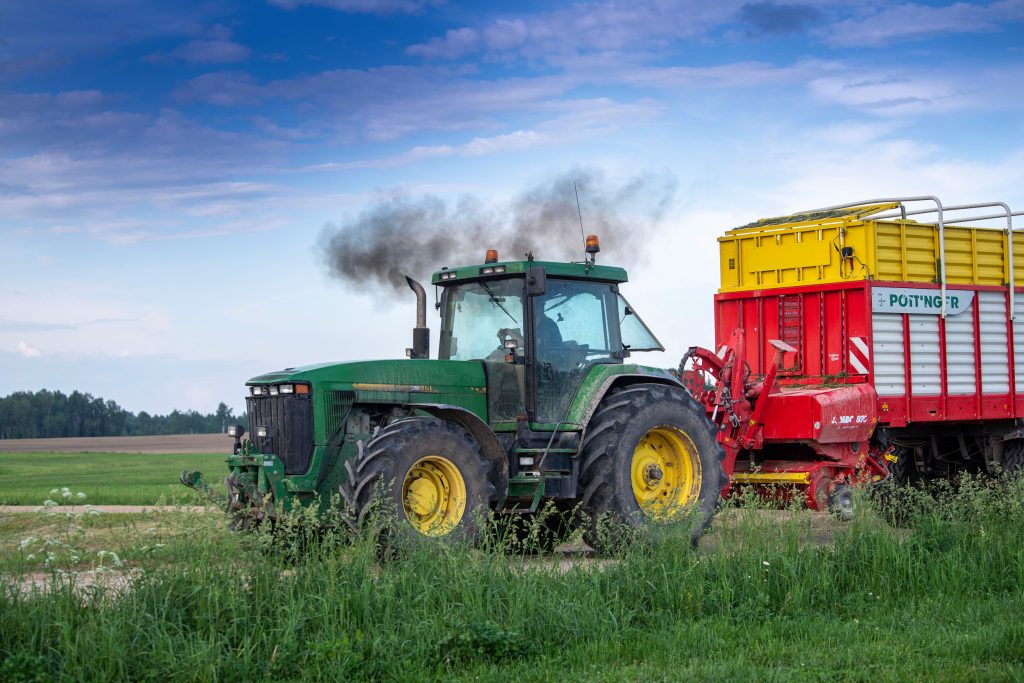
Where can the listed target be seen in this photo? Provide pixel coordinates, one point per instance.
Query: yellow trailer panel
(808, 249)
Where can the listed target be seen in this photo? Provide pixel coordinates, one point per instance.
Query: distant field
(106, 478)
(172, 443)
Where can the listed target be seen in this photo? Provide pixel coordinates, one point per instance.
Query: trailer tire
(904, 470)
(650, 456)
(421, 479)
(1013, 458)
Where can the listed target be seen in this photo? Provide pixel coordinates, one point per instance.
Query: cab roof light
(491, 256)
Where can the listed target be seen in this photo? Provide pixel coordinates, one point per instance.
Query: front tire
(650, 457)
(426, 475)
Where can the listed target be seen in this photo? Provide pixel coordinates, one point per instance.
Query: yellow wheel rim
(434, 495)
(665, 473)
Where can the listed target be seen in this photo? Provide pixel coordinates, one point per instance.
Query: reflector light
(491, 256)
(301, 388)
(593, 244)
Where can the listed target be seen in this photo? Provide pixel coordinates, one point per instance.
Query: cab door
(574, 328)
(479, 319)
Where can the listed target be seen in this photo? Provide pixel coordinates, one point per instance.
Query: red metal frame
(760, 405)
(834, 425)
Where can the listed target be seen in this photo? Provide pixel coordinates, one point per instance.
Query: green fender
(602, 378)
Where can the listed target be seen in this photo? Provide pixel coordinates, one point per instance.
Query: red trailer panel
(923, 367)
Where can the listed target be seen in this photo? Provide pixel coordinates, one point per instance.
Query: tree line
(49, 414)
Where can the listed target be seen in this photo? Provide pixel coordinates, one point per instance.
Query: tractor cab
(538, 327)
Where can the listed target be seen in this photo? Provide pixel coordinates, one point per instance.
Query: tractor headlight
(273, 390)
(257, 391)
(286, 388)
(236, 431)
(262, 432)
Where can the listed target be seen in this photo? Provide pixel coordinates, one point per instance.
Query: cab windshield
(478, 318)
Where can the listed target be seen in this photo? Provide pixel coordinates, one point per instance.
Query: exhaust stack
(420, 333)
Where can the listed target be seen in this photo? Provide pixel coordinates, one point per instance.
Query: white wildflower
(81, 495)
(766, 563)
(26, 542)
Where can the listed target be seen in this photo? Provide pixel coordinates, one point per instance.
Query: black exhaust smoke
(401, 234)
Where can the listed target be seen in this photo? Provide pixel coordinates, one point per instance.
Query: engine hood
(417, 376)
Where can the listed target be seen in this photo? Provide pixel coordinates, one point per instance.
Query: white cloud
(364, 6)
(27, 350)
(579, 120)
(896, 91)
(886, 24)
(211, 52)
(586, 26)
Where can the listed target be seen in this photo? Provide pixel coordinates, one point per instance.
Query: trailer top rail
(876, 239)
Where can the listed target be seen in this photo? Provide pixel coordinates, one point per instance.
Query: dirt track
(174, 443)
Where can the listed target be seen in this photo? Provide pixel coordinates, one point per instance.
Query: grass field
(938, 598)
(107, 478)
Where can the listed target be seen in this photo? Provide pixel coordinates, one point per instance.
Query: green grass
(937, 599)
(107, 478)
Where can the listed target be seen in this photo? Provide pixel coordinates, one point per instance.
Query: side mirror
(536, 281)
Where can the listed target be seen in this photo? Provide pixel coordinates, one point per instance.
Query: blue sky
(168, 169)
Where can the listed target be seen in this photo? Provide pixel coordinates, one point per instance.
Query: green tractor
(532, 399)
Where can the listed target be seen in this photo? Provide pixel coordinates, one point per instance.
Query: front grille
(289, 419)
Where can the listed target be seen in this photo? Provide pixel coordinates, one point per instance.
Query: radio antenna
(580, 214)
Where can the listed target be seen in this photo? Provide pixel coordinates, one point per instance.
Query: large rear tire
(650, 457)
(428, 477)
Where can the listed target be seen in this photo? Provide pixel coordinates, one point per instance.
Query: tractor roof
(575, 271)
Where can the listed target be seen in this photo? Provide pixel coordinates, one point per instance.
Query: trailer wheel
(650, 457)
(841, 502)
(1013, 458)
(425, 475)
(904, 470)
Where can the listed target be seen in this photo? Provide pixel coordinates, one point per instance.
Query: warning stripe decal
(860, 355)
